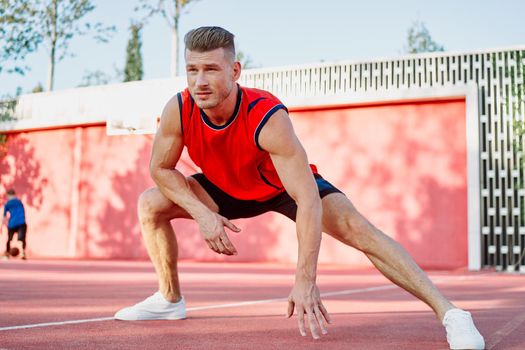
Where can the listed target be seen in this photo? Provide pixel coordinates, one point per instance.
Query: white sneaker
(155, 307)
(461, 331)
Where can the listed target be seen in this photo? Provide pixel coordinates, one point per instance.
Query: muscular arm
(167, 148)
(290, 160)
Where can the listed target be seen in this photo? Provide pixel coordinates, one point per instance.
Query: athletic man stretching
(252, 162)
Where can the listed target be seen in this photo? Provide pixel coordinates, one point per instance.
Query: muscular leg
(342, 221)
(155, 213)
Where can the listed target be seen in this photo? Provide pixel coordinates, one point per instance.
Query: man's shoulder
(183, 98)
(253, 94)
(258, 103)
(181, 95)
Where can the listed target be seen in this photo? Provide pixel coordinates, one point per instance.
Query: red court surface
(52, 304)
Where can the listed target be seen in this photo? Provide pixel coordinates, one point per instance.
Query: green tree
(99, 77)
(7, 109)
(245, 60)
(419, 39)
(92, 78)
(171, 11)
(26, 24)
(133, 70)
(38, 88)
(7, 112)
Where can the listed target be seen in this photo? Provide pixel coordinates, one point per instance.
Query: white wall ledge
(134, 106)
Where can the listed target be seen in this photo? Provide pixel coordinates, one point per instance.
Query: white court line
(221, 306)
(277, 300)
(199, 308)
(49, 324)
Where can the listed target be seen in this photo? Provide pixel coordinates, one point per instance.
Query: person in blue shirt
(16, 223)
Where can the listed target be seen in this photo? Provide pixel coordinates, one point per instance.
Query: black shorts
(22, 230)
(233, 208)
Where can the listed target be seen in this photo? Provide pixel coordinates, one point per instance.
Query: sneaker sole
(151, 318)
(479, 346)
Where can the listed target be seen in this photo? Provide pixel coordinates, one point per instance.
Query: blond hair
(205, 39)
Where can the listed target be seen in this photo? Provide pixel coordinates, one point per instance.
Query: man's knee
(150, 205)
(154, 207)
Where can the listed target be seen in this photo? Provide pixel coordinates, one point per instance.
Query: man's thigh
(287, 206)
(338, 215)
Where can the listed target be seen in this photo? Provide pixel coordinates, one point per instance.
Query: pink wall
(403, 166)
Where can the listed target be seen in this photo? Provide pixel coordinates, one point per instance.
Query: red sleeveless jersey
(230, 155)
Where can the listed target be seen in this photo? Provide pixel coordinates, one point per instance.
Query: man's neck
(220, 114)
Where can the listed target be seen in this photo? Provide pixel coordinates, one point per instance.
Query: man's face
(211, 76)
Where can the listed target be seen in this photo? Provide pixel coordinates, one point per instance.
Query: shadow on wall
(20, 170)
(257, 241)
(113, 230)
(412, 188)
(418, 177)
(125, 163)
(404, 167)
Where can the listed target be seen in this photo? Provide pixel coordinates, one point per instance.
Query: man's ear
(236, 70)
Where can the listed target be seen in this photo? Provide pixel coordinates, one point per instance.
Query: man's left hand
(305, 297)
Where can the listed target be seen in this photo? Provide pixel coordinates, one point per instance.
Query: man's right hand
(212, 228)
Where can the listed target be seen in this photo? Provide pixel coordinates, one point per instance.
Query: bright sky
(286, 32)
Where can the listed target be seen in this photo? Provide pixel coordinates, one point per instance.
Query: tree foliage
(171, 11)
(16, 42)
(7, 109)
(133, 69)
(7, 112)
(245, 60)
(419, 40)
(27, 24)
(38, 88)
(92, 78)
(99, 77)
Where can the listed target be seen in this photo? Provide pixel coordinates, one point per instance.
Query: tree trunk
(174, 71)
(175, 40)
(51, 67)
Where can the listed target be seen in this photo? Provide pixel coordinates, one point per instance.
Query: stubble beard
(216, 99)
